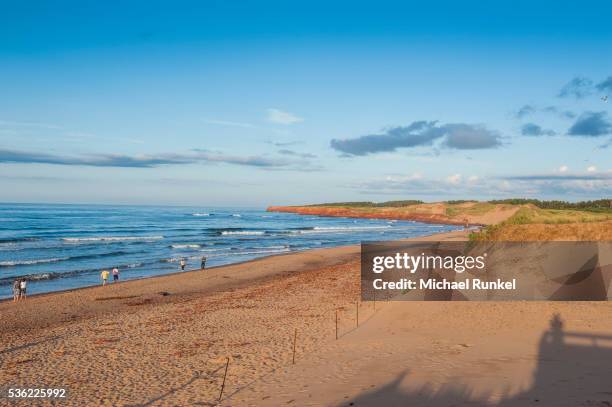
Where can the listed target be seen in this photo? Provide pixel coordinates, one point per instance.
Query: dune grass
(470, 208)
(532, 223)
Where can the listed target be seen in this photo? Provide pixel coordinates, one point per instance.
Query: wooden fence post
(336, 324)
(294, 342)
(224, 376)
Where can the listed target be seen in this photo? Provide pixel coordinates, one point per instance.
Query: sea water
(58, 247)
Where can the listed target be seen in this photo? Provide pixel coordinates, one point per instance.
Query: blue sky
(257, 103)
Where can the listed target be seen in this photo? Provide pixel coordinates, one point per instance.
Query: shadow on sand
(196, 376)
(574, 369)
(29, 345)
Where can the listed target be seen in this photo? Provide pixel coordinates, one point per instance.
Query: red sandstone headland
(473, 213)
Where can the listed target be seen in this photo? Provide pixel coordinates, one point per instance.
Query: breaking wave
(342, 228)
(243, 232)
(109, 238)
(13, 263)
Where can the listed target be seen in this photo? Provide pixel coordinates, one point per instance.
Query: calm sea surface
(57, 247)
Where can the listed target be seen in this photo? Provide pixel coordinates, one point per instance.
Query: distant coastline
(507, 219)
(353, 213)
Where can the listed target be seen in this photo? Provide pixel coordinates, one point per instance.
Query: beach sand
(165, 341)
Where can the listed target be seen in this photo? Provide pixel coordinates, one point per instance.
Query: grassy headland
(533, 223)
(510, 219)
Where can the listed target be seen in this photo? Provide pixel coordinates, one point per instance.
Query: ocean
(58, 247)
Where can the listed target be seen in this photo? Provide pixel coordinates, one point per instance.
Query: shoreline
(388, 214)
(110, 283)
(77, 303)
(102, 343)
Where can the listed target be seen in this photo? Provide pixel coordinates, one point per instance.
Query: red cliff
(386, 213)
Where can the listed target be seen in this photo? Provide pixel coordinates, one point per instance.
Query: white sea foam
(340, 229)
(351, 227)
(134, 265)
(271, 247)
(218, 249)
(30, 262)
(242, 232)
(42, 276)
(200, 214)
(245, 253)
(109, 238)
(186, 246)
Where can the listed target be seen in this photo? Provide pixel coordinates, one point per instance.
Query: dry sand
(456, 354)
(127, 344)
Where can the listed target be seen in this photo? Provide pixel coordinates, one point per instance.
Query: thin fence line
(247, 385)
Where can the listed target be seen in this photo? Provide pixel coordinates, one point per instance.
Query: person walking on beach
(182, 264)
(16, 290)
(104, 276)
(115, 274)
(22, 288)
(203, 264)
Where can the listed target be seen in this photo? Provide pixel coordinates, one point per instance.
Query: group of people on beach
(20, 285)
(183, 263)
(105, 274)
(19, 289)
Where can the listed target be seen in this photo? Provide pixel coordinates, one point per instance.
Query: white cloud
(49, 126)
(404, 178)
(280, 117)
(229, 123)
(553, 185)
(591, 168)
(563, 168)
(454, 179)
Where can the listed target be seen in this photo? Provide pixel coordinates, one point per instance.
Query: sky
(256, 103)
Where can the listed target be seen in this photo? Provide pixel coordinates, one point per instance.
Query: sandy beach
(165, 341)
(306, 204)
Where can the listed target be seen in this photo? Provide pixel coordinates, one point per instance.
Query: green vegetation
(477, 208)
(460, 201)
(528, 215)
(367, 204)
(600, 205)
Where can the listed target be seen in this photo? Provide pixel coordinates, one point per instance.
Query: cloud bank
(534, 130)
(152, 161)
(589, 184)
(605, 85)
(591, 124)
(420, 133)
(528, 110)
(579, 87)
